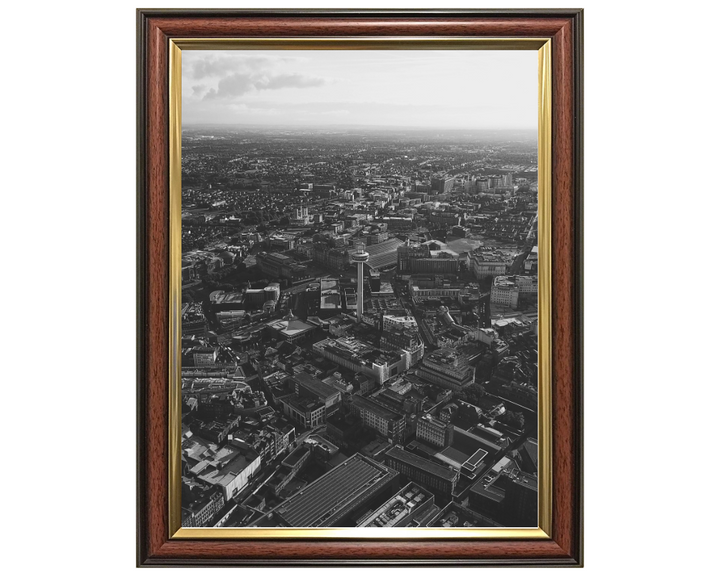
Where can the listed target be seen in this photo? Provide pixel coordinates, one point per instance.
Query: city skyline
(428, 89)
(359, 289)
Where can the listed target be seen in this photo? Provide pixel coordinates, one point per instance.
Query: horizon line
(355, 126)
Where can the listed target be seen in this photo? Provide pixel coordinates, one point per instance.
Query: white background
(651, 315)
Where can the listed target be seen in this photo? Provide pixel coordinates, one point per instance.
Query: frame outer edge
(575, 17)
(140, 323)
(578, 168)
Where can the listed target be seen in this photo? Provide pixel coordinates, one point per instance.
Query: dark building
(456, 516)
(308, 386)
(511, 498)
(404, 340)
(200, 505)
(442, 185)
(426, 258)
(439, 479)
(281, 266)
(386, 421)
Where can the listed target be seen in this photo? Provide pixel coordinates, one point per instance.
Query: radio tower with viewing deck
(360, 257)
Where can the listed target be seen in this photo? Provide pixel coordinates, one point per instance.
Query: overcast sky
(472, 89)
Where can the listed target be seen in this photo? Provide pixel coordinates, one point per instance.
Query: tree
(466, 416)
(514, 419)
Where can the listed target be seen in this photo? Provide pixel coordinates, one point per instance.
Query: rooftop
(314, 385)
(221, 297)
(319, 503)
(455, 516)
(374, 406)
(290, 327)
(398, 507)
(422, 463)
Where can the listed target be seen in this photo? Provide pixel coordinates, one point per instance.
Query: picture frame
(161, 36)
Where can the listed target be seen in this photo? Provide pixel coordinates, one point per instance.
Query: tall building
(359, 257)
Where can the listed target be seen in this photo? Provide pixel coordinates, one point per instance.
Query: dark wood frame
(154, 28)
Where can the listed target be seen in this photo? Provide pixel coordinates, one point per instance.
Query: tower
(359, 257)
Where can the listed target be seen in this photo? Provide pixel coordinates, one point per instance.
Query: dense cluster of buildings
(359, 336)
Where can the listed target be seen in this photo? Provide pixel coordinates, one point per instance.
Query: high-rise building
(359, 257)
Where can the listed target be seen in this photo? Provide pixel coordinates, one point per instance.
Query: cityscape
(359, 326)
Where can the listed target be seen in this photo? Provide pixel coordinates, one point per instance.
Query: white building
(230, 467)
(399, 322)
(486, 263)
(506, 290)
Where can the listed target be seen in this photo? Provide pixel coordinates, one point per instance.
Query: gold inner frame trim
(543, 47)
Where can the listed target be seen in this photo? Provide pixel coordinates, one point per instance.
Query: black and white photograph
(276, 279)
(359, 288)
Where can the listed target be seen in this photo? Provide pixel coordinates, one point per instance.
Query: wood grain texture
(155, 27)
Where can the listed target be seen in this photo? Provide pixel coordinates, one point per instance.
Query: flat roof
(222, 297)
(398, 507)
(314, 385)
(455, 516)
(454, 454)
(290, 327)
(336, 490)
(475, 459)
(422, 463)
(384, 253)
(375, 406)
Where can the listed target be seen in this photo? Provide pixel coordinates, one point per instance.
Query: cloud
(289, 81)
(234, 85)
(241, 83)
(198, 90)
(216, 66)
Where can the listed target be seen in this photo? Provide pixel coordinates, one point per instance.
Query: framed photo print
(360, 287)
